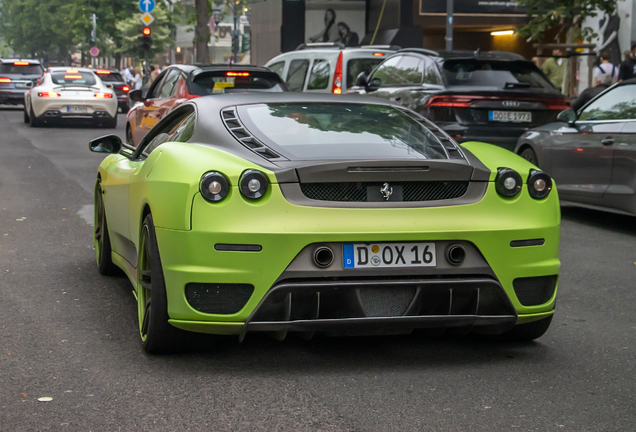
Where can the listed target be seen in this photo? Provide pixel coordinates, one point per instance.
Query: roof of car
(12, 60)
(218, 67)
(73, 68)
(491, 55)
(341, 46)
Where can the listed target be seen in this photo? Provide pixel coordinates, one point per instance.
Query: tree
(202, 31)
(566, 15)
(130, 30)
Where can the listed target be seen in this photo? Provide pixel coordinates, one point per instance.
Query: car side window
(278, 68)
(385, 70)
(431, 73)
(408, 71)
(319, 77)
(296, 74)
(618, 104)
(169, 83)
(154, 90)
(174, 128)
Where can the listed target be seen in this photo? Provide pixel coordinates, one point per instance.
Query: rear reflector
(103, 95)
(102, 72)
(49, 94)
(21, 63)
(237, 74)
(72, 77)
(5, 80)
(560, 105)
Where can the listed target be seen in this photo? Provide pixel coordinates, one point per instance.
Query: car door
(156, 104)
(582, 155)
(622, 191)
(320, 76)
(296, 74)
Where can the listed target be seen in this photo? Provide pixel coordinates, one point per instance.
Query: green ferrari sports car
(338, 215)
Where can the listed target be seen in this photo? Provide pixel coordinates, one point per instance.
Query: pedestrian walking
(554, 68)
(137, 80)
(606, 68)
(627, 66)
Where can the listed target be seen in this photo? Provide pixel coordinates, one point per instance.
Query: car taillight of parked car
(336, 87)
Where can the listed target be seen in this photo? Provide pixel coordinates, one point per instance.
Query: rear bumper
(12, 97)
(52, 116)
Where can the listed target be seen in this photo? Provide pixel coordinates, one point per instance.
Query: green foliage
(566, 15)
(161, 28)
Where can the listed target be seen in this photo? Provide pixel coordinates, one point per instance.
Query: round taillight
(214, 186)
(253, 184)
(539, 184)
(508, 182)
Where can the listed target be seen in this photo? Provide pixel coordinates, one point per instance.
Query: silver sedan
(591, 153)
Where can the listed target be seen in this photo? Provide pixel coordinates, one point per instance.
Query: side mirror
(361, 79)
(568, 116)
(374, 85)
(136, 96)
(106, 144)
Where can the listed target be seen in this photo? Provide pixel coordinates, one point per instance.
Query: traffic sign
(94, 51)
(147, 19)
(146, 5)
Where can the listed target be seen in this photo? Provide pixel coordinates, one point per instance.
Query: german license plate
(510, 116)
(21, 85)
(372, 255)
(76, 109)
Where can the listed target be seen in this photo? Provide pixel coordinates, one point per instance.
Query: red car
(180, 83)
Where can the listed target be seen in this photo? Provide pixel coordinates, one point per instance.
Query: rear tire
(103, 251)
(111, 123)
(529, 155)
(33, 120)
(158, 336)
(26, 115)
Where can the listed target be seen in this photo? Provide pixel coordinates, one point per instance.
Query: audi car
(340, 215)
(113, 79)
(490, 96)
(67, 95)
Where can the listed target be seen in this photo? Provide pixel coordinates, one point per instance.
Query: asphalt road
(70, 334)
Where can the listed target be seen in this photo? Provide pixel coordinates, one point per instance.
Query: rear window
(10, 68)
(341, 131)
(208, 83)
(111, 77)
(355, 66)
(77, 78)
(493, 73)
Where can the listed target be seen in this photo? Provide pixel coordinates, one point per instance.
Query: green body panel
(188, 227)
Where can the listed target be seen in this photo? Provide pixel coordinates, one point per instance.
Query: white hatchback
(74, 95)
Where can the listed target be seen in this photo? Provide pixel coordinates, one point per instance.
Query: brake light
(560, 105)
(49, 94)
(103, 95)
(237, 74)
(378, 54)
(72, 77)
(21, 63)
(451, 101)
(102, 72)
(72, 71)
(125, 88)
(336, 88)
(5, 80)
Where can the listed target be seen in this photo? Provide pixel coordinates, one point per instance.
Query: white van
(327, 67)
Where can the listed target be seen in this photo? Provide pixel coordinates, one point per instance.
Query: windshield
(110, 77)
(75, 78)
(31, 69)
(341, 131)
(494, 73)
(208, 83)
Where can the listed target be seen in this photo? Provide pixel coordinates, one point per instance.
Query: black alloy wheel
(158, 336)
(103, 251)
(529, 155)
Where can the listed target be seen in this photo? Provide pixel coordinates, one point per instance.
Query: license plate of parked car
(76, 109)
(358, 255)
(510, 116)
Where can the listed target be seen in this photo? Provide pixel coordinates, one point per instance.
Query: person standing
(601, 83)
(606, 67)
(138, 80)
(128, 76)
(554, 68)
(627, 66)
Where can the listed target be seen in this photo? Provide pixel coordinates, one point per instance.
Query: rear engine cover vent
(236, 128)
(371, 192)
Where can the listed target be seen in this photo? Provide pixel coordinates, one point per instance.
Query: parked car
(327, 67)
(16, 77)
(180, 83)
(492, 97)
(115, 80)
(305, 213)
(70, 95)
(591, 153)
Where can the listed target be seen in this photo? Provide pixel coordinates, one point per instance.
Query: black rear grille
(218, 298)
(370, 192)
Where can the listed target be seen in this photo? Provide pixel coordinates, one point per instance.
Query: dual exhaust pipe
(323, 256)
